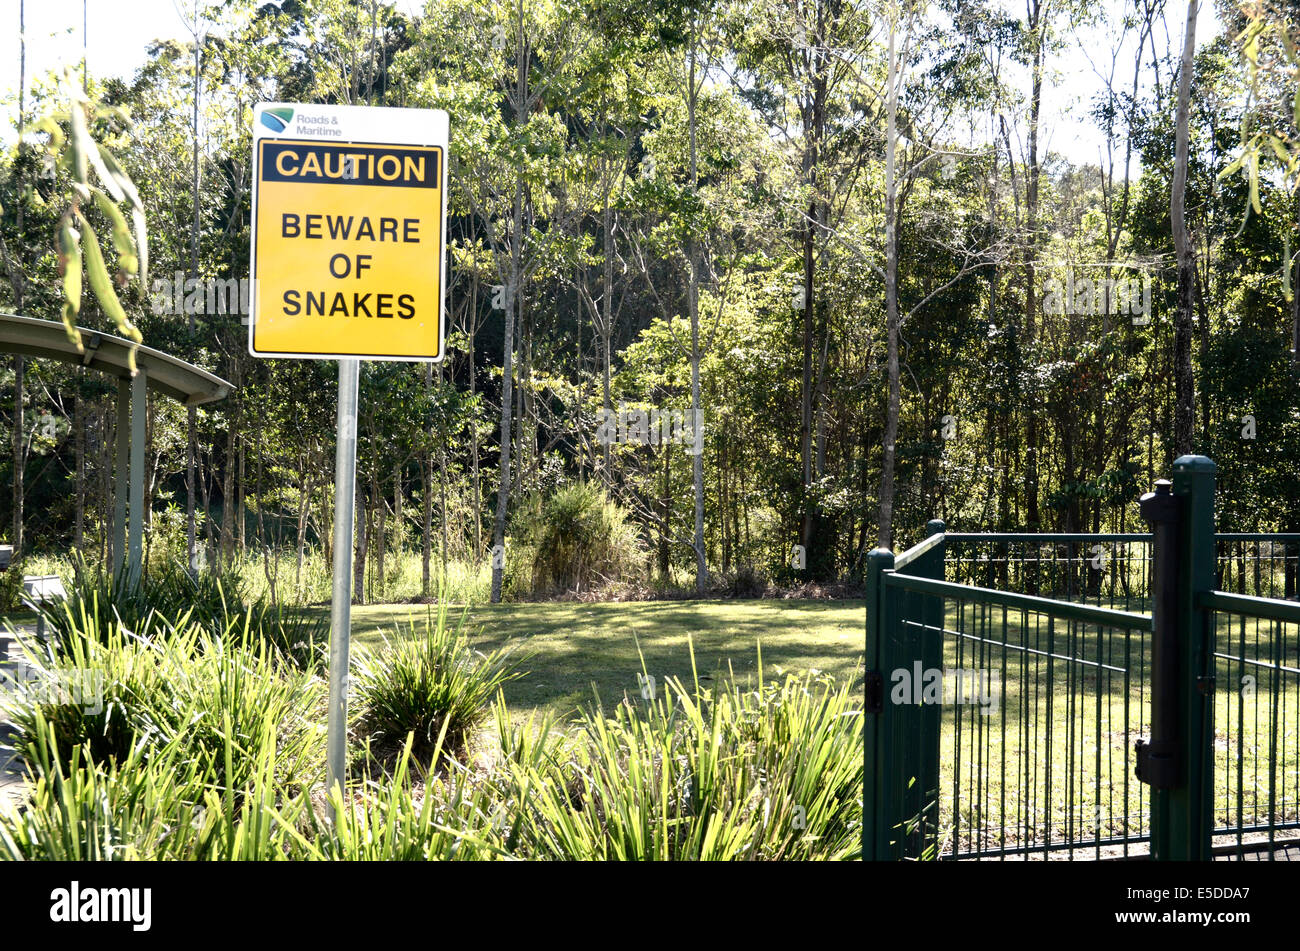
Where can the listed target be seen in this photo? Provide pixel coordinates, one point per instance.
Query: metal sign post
(345, 473)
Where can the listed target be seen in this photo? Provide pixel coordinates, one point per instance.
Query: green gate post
(1178, 761)
(927, 720)
(901, 741)
(877, 749)
(1190, 808)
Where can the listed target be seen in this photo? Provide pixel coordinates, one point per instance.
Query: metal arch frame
(161, 372)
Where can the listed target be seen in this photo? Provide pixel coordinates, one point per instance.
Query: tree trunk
(19, 280)
(507, 359)
(79, 448)
(241, 512)
(191, 416)
(359, 562)
(228, 490)
(1184, 386)
(885, 535)
(607, 306)
(1037, 30)
(693, 307)
(20, 363)
(473, 430)
(380, 509)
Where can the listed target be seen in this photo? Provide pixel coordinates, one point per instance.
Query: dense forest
(726, 277)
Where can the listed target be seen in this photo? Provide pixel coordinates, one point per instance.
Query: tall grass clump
(117, 694)
(215, 600)
(449, 817)
(578, 539)
(772, 772)
(429, 682)
(157, 803)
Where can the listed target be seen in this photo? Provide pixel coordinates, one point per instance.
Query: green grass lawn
(579, 651)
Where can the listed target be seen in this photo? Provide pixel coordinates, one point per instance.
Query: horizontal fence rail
(1113, 569)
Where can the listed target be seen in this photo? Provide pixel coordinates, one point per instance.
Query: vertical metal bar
(135, 529)
(876, 823)
(121, 480)
(1192, 807)
(345, 468)
(1179, 762)
(930, 716)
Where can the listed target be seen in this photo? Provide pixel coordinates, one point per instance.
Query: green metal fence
(1009, 677)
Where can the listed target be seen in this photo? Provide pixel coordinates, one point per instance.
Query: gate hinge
(875, 684)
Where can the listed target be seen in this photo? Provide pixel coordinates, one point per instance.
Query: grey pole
(135, 523)
(345, 469)
(121, 479)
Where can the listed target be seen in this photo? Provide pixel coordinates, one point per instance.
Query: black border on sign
(442, 235)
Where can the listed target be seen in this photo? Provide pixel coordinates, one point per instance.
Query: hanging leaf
(114, 170)
(70, 271)
(141, 244)
(1252, 163)
(1279, 150)
(49, 125)
(1233, 168)
(122, 242)
(81, 144)
(102, 285)
(109, 181)
(132, 197)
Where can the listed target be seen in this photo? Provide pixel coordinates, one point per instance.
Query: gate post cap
(935, 527)
(880, 554)
(1194, 464)
(1160, 505)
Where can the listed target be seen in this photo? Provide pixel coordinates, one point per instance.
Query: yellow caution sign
(348, 232)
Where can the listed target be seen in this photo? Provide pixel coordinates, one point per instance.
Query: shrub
(577, 538)
(99, 602)
(767, 773)
(138, 691)
(163, 804)
(429, 683)
(746, 581)
(11, 586)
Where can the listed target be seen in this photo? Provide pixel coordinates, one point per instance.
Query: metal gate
(1010, 678)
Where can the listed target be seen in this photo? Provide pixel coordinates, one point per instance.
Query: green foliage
(11, 586)
(99, 603)
(731, 773)
(430, 684)
(117, 693)
(213, 751)
(77, 154)
(576, 538)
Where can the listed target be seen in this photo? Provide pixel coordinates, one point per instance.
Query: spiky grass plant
(116, 694)
(429, 682)
(214, 600)
(772, 771)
